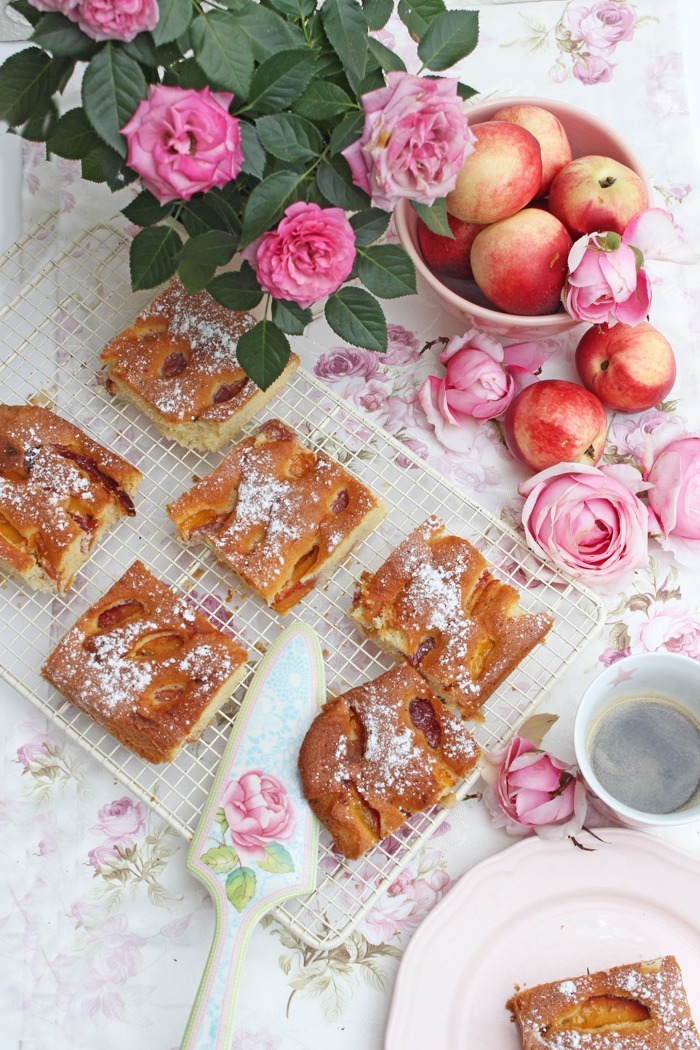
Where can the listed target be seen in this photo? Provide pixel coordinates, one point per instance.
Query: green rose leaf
(24, 84)
(335, 183)
(369, 225)
(174, 18)
(60, 72)
(278, 860)
(349, 130)
(267, 202)
(465, 92)
(387, 271)
(387, 59)
(434, 216)
(223, 52)
(226, 200)
(290, 317)
(266, 32)
(221, 818)
(42, 122)
(280, 80)
(142, 50)
(220, 859)
(187, 74)
(322, 100)
(263, 352)
(73, 137)
(295, 8)
(153, 256)
(289, 137)
(417, 15)
(237, 291)
(449, 37)
(254, 158)
(377, 12)
(357, 317)
(200, 215)
(60, 36)
(91, 166)
(201, 255)
(113, 86)
(240, 887)
(346, 28)
(116, 173)
(143, 210)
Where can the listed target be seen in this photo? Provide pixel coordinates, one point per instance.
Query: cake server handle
(249, 874)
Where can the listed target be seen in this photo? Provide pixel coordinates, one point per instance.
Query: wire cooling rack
(53, 331)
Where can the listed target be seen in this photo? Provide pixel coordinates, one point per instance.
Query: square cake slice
(638, 1006)
(435, 602)
(60, 491)
(280, 515)
(146, 666)
(379, 753)
(177, 363)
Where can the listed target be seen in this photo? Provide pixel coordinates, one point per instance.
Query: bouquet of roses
(281, 130)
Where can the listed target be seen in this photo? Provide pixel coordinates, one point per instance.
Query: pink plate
(542, 911)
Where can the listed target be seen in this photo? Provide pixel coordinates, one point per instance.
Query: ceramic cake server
(256, 844)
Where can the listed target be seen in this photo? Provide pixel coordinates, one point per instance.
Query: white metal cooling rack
(52, 332)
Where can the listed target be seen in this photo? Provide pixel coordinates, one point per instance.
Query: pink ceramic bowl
(587, 135)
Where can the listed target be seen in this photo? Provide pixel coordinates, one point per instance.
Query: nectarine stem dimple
(605, 183)
(604, 365)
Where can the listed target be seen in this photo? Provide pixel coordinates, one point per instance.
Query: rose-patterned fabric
(104, 933)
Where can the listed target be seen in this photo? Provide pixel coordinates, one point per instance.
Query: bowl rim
(406, 224)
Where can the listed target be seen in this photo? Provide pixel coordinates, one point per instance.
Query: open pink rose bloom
(606, 282)
(674, 496)
(258, 812)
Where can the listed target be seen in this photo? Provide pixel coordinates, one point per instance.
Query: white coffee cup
(666, 676)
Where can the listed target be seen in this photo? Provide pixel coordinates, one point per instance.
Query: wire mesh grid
(53, 332)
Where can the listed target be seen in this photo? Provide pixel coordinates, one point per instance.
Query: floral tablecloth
(100, 953)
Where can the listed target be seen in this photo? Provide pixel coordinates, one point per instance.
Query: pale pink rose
(415, 139)
(115, 19)
(604, 285)
(346, 362)
(675, 493)
(664, 627)
(611, 656)
(482, 377)
(418, 448)
(121, 821)
(405, 905)
(101, 856)
(183, 142)
(587, 520)
(64, 7)
(258, 812)
(592, 69)
(530, 790)
(403, 347)
(641, 437)
(602, 26)
(117, 953)
(371, 396)
(34, 751)
(665, 84)
(307, 256)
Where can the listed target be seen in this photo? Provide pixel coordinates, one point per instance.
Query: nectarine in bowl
(588, 137)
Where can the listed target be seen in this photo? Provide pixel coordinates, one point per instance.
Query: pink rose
(607, 281)
(664, 627)
(115, 19)
(403, 347)
(643, 436)
(527, 790)
(64, 7)
(121, 821)
(100, 856)
(587, 519)
(346, 362)
(415, 139)
(258, 811)
(371, 396)
(592, 69)
(675, 494)
(603, 26)
(308, 256)
(32, 752)
(183, 142)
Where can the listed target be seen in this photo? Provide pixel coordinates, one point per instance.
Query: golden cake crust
(278, 514)
(59, 493)
(379, 753)
(638, 1006)
(177, 363)
(146, 666)
(435, 602)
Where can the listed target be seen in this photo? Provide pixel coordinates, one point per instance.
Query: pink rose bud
(258, 812)
(308, 256)
(587, 520)
(183, 142)
(675, 494)
(415, 139)
(114, 19)
(607, 281)
(527, 789)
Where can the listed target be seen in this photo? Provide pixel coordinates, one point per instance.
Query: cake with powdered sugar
(60, 491)
(146, 666)
(435, 603)
(380, 753)
(280, 515)
(177, 363)
(637, 1006)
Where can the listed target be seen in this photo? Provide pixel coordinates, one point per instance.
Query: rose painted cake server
(256, 844)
